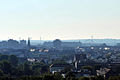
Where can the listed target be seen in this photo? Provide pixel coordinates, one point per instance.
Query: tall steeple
(29, 42)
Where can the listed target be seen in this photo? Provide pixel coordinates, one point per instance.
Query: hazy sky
(63, 19)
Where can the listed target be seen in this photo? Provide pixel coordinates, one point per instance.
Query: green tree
(27, 69)
(114, 78)
(14, 60)
(93, 78)
(69, 75)
(100, 78)
(84, 78)
(48, 77)
(6, 66)
(44, 69)
(58, 76)
(67, 69)
(1, 73)
(87, 67)
(4, 57)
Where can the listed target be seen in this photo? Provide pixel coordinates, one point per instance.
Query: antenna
(92, 39)
(40, 40)
(19, 38)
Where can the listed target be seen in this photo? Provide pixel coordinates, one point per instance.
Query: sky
(59, 19)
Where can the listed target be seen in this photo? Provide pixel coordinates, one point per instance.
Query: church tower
(29, 45)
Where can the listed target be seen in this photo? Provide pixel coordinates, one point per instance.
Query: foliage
(14, 60)
(6, 66)
(114, 78)
(11, 69)
(4, 57)
(69, 74)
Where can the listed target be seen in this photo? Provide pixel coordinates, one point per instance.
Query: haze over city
(59, 39)
(63, 19)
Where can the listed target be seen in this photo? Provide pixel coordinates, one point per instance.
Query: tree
(44, 69)
(67, 69)
(114, 78)
(100, 78)
(48, 77)
(1, 73)
(27, 69)
(69, 75)
(84, 78)
(4, 57)
(87, 67)
(6, 66)
(58, 76)
(96, 67)
(14, 60)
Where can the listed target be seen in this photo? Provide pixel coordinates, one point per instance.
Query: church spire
(29, 42)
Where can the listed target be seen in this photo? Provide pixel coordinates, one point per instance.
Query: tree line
(14, 68)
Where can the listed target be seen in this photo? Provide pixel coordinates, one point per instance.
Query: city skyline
(63, 19)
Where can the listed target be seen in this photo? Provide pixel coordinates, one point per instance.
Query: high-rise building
(23, 43)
